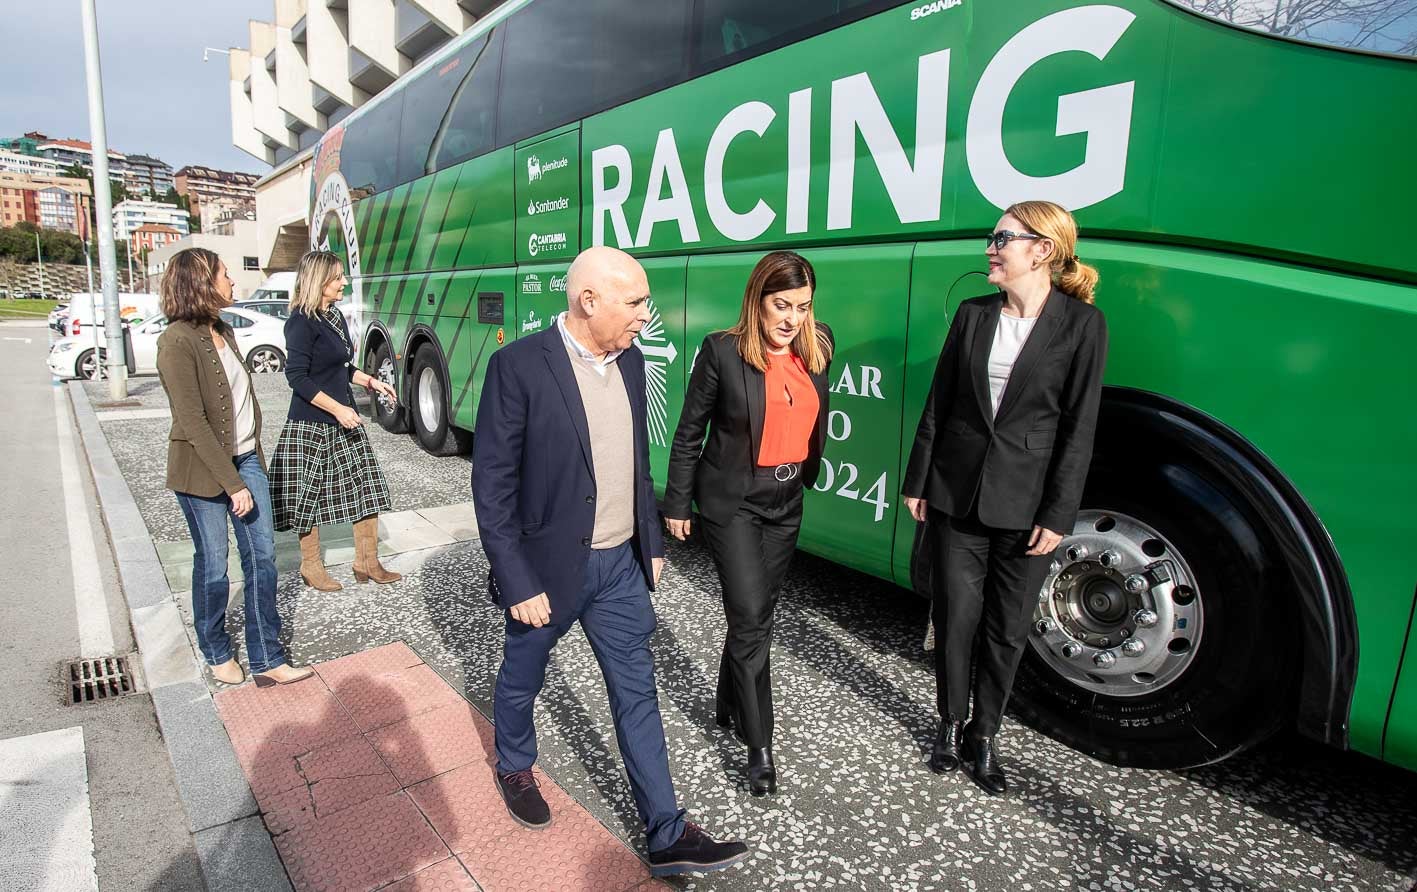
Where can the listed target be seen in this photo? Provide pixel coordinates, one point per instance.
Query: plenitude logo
(535, 170)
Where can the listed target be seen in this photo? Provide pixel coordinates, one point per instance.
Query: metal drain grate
(105, 678)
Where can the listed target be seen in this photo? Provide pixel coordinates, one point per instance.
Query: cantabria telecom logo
(551, 241)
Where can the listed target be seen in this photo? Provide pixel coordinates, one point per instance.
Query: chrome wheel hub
(264, 362)
(385, 373)
(1119, 613)
(430, 398)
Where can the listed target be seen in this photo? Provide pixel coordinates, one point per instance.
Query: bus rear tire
(429, 407)
(1233, 664)
(391, 417)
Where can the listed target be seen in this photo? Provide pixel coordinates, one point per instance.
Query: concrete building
(200, 185)
(34, 165)
(69, 152)
(51, 202)
(129, 215)
(234, 243)
(150, 236)
(150, 177)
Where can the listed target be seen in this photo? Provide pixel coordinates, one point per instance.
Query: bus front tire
(429, 407)
(1238, 686)
(391, 417)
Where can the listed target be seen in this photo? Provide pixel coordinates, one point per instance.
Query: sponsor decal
(333, 216)
(921, 12)
(531, 284)
(551, 241)
(532, 323)
(535, 170)
(501, 337)
(535, 207)
(558, 283)
(659, 353)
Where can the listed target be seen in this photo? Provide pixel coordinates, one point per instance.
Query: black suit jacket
(317, 359)
(1027, 465)
(728, 398)
(533, 486)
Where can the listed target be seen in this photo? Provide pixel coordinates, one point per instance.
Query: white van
(86, 309)
(276, 287)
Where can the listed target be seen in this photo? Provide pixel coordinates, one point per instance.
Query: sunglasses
(1001, 238)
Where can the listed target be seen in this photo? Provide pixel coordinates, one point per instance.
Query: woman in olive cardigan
(217, 470)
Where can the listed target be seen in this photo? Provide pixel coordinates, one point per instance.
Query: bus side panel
(1291, 358)
(1400, 740)
(662, 342)
(541, 296)
(861, 293)
(942, 275)
(477, 229)
(491, 303)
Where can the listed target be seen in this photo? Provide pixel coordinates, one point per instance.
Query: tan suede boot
(366, 553)
(312, 567)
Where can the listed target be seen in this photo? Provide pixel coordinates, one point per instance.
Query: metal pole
(40, 254)
(130, 262)
(107, 265)
(97, 347)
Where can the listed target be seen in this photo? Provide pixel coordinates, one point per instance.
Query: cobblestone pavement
(856, 807)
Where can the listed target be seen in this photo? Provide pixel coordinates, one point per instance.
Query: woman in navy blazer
(324, 470)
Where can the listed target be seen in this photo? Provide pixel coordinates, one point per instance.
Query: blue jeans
(211, 589)
(615, 612)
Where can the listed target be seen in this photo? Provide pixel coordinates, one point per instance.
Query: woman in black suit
(760, 391)
(999, 463)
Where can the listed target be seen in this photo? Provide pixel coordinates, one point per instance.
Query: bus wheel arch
(380, 362)
(428, 397)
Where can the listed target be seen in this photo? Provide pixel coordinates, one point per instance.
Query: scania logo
(921, 12)
(535, 169)
(555, 241)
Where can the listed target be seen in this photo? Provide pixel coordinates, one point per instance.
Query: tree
(1388, 26)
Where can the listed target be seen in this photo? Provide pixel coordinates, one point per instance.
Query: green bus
(1241, 563)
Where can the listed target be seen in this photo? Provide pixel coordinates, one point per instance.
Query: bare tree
(1388, 26)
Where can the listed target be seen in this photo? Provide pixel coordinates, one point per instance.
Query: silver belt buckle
(790, 470)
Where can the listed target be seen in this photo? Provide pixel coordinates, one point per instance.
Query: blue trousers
(614, 610)
(211, 589)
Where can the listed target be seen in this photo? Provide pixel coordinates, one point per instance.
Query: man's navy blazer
(533, 486)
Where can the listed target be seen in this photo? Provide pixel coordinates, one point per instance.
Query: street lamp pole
(40, 256)
(112, 324)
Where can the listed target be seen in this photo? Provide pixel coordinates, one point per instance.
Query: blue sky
(161, 99)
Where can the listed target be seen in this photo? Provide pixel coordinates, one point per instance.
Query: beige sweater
(612, 450)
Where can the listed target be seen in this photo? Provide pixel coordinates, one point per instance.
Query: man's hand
(679, 529)
(658, 565)
(535, 612)
(1043, 541)
(917, 508)
(241, 503)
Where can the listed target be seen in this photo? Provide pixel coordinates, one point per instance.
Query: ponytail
(1077, 279)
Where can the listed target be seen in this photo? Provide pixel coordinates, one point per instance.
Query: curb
(221, 811)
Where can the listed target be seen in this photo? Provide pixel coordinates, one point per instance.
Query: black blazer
(317, 359)
(728, 397)
(1029, 464)
(533, 487)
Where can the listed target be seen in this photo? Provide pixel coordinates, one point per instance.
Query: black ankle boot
(946, 755)
(984, 767)
(762, 773)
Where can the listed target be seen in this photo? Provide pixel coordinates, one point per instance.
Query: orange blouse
(791, 411)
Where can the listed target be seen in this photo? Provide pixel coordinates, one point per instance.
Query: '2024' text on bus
(1244, 558)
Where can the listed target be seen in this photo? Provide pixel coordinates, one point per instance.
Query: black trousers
(752, 552)
(985, 591)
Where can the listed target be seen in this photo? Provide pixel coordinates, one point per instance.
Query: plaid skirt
(323, 474)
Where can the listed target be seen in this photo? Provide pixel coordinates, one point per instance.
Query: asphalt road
(856, 807)
(140, 831)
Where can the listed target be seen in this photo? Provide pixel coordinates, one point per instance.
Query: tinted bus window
(369, 153)
(448, 112)
(729, 31)
(1382, 27)
(564, 62)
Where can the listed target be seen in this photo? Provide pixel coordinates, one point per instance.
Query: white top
(242, 412)
(599, 366)
(1009, 339)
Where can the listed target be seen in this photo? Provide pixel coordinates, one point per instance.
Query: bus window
(448, 110)
(563, 64)
(732, 30)
(1348, 24)
(365, 157)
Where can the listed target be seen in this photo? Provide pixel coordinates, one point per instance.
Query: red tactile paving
(445, 876)
(362, 847)
(434, 742)
(382, 699)
(347, 765)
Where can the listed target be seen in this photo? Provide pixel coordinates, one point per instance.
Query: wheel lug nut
(1136, 584)
(1145, 617)
(1072, 649)
(1043, 626)
(1076, 553)
(1055, 567)
(1104, 659)
(1109, 558)
(1133, 647)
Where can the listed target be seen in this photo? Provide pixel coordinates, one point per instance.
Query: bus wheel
(1165, 634)
(391, 416)
(430, 407)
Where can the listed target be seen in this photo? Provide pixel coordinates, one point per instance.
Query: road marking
(132, 414)
(46, 839)
(26, 340)
(95, 634)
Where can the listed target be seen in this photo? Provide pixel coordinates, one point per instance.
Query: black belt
(781, 473)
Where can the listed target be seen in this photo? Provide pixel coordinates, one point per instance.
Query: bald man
(566, 510)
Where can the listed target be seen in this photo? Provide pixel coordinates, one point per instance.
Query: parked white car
(86, 310)
(259, 338)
